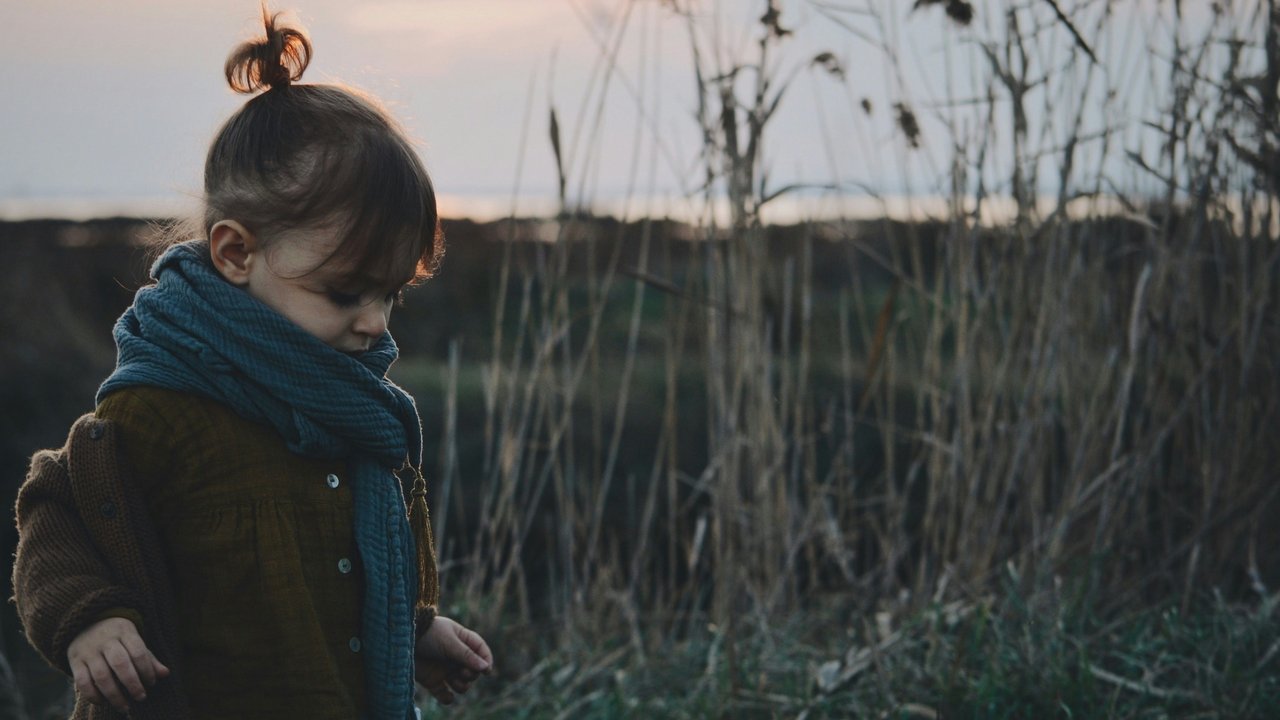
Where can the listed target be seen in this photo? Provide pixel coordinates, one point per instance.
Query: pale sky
(116, 102)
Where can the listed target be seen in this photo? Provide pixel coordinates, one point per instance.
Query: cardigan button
(108, 509)
(95, 431)
(332, 480)
(354, 644)
(344, 566)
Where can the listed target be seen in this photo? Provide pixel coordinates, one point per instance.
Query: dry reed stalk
(1063, 394)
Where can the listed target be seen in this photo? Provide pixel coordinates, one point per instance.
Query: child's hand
(110, 655)
(450, 658)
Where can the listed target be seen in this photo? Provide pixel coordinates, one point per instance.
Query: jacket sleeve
(61, 582)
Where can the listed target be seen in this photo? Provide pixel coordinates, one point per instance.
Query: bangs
(382, 202)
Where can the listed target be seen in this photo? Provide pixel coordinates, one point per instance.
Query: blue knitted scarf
(193, 331)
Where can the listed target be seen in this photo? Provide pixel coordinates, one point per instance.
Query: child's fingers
(432, 677)
(458, 685)
(84, 683)
(476, 654)
(149, 668)
(444, 680)
(467, 657)
(429, 673)
(121, 663)
(106, 685)
(463, 673)
(442, 694)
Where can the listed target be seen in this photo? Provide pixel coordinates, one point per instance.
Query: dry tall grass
(1084, 391)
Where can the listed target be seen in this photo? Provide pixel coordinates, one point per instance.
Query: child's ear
(232, 248)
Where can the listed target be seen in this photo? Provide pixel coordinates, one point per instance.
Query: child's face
(347, 313)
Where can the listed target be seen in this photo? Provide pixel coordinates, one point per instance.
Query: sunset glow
(121, 107)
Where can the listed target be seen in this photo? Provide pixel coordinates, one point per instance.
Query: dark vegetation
(1074, 634)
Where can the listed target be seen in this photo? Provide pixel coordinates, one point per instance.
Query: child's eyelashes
(344, 299)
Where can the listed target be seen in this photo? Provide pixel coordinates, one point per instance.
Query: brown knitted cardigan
(85, 549)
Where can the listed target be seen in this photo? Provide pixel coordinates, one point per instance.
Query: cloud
(444, 36)
(486, 22)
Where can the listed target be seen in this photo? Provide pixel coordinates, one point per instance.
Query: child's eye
(342, 299)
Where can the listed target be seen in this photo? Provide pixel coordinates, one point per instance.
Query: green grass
(1014, 657)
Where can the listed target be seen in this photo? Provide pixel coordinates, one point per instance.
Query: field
(951, 467)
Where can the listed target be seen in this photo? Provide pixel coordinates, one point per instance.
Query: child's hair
(319, 157)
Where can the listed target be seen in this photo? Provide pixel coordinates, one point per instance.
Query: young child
(226, 536)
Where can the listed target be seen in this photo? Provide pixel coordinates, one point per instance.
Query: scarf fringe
(424, 542)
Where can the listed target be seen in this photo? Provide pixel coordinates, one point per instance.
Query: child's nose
(372, 320)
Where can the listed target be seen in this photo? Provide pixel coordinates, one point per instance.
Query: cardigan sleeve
(61, 582)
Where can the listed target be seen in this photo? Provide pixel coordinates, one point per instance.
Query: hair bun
(272, 61)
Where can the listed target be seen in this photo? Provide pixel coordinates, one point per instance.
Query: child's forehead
(325, 254)
(353, 279)
(349, 272)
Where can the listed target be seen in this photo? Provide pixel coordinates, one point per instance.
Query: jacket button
(332, 480)
(95, 431)
(344, 566)
(354, 644)
(108, 509)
